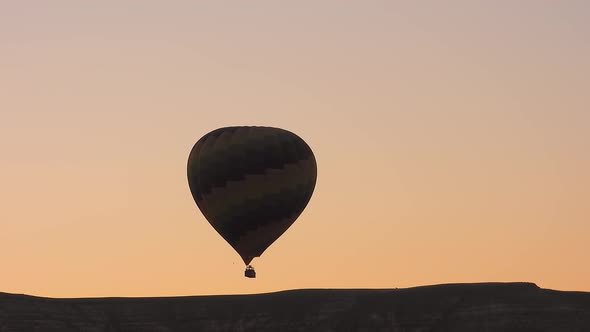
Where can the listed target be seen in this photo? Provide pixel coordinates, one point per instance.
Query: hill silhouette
(505, 307)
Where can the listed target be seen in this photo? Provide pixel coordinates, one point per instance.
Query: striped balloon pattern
(251, 184)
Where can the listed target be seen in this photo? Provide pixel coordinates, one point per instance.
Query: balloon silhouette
(251, 184)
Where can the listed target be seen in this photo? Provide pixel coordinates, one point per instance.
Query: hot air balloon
(251, 184)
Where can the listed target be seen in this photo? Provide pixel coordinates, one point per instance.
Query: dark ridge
(502, 307)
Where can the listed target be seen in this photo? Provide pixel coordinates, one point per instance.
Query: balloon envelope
(251, 183)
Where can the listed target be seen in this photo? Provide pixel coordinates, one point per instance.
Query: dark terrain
(521, 307)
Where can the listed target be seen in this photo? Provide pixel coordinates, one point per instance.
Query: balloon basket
(250, 272)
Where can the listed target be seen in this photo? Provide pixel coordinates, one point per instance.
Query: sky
(452, 140)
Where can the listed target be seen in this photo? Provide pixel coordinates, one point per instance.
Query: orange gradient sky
(452, 141)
